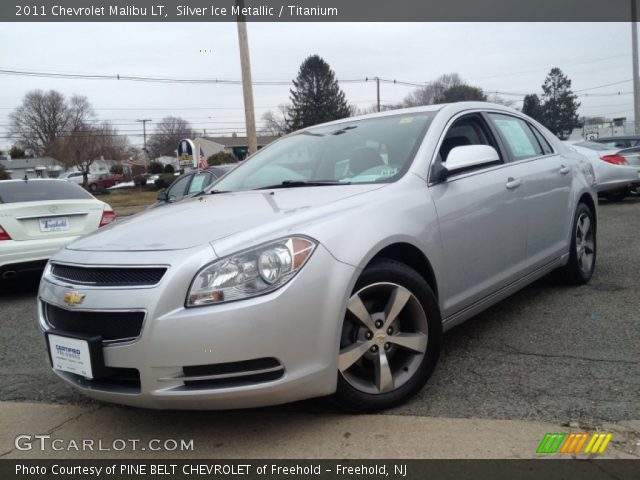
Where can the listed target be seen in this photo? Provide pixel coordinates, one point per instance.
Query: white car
(40, 216)
(615, 177)
(74, 177)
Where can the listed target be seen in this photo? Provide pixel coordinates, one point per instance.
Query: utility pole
(144, 133)
(636, 74)
(247, 87)
(378, 91)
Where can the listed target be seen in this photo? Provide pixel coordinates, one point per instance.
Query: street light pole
(247, 88)
(636, 75)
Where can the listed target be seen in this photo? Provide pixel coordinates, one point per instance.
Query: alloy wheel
(585, 244)
(384, 338)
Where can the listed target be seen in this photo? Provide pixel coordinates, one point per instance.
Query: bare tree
(275, 123)
(45, 116)
(165, 137)
(81, 147)
(428, 94)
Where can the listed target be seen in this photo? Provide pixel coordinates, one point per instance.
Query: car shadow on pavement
(22, 285)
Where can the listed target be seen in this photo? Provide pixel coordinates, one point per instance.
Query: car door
(547, 178)
(481, 216)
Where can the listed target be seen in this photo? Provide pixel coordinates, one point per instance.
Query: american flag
(203, 160)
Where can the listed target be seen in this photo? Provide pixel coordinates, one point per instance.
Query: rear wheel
(390, 339)
(582, 257)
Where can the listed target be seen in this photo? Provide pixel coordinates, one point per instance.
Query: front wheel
(390, 339)
(582, 256)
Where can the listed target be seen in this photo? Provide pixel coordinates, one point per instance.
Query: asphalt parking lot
(560, 354)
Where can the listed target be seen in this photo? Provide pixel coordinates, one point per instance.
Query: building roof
(30, 163)
(240, 141)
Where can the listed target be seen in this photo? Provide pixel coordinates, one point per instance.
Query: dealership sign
(187, 156)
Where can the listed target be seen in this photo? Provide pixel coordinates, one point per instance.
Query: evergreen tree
(531, 106)
(317, 97)
(559, 107)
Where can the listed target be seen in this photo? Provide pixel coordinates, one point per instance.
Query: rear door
(547, 178)
(482, 219)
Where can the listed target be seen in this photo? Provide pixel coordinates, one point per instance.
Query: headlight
(249, 273)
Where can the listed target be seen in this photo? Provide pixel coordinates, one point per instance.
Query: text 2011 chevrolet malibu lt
(329, 263)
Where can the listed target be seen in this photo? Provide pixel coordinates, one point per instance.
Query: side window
(517, 135)
(176, 191)
(547, 149)
(468, 130)
(199, 181)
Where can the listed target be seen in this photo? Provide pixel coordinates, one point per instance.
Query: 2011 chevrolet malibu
(328, 263)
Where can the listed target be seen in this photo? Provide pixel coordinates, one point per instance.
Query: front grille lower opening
(111, 326)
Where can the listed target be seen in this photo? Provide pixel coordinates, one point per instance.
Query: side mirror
(466, 156)
(162, 196)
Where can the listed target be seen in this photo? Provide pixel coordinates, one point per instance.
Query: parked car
(38, 217)
(102, 181)
(190, 183)
(73, 176)
(626, 141)
(615, 178)
(328, 263)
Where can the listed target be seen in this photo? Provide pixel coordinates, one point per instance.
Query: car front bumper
(276, 348)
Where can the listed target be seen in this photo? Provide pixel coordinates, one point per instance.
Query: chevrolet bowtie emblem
(73, 298)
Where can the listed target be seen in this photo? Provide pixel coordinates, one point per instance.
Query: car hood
(208, 218)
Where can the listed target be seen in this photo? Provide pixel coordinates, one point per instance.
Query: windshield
(376, 150)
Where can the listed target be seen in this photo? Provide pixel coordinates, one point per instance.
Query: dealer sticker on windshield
(55, 224)
(70, 355)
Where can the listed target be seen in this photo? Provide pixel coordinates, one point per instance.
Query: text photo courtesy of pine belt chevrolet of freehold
(329, 263)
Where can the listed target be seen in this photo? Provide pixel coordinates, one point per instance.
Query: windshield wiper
(303, 183)
(210, 192)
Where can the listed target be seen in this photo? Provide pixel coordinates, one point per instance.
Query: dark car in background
(190, 183)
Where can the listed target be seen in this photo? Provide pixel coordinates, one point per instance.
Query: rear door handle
(513, 183)
(564, 170)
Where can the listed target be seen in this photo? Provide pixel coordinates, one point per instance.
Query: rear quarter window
(41, 190)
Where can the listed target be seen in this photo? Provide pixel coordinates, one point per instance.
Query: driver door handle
(564, 170)
(513, 183)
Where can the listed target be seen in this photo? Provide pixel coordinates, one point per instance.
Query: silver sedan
(328, 263)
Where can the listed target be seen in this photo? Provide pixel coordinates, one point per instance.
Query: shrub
(156, 167)
(221, 158)
(139, 180)
(168, 168)
(164, 180)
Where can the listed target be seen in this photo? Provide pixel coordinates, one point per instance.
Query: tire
(576, 272)
(93, 187)
(375, 372)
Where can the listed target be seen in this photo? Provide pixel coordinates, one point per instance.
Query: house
(39, 167)
(237, 146)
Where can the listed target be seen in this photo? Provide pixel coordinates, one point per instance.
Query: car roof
(619, 137)
(450, 108)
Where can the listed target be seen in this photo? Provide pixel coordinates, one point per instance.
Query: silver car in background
(328, 263)
(616, 175)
